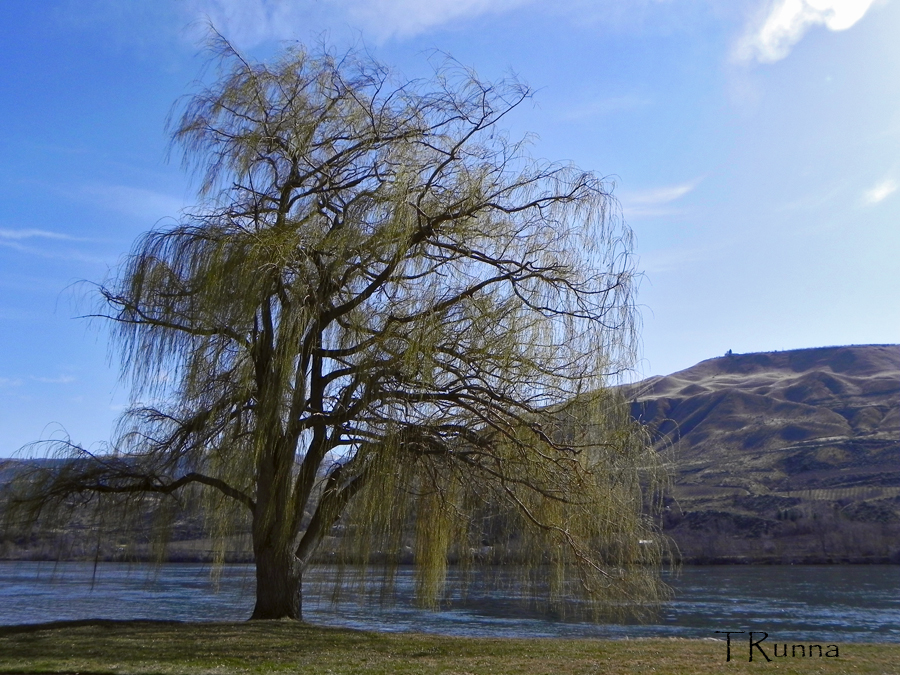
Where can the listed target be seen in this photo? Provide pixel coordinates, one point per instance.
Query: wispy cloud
(785, 22)
(252, 22)
(45, 252)
(248, 23)
(880, 191)
(9, 382)
(675, 259)
(62, 379)
(19, 240)
(402, 18)
(131, 201)
(606, 106)
(662, 195)
(18, 235)
(655, 201)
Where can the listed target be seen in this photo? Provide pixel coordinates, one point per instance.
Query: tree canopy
(384, 326)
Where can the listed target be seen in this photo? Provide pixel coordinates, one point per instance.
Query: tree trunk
(278, 585)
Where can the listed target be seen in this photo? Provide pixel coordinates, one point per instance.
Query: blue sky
(755, 145)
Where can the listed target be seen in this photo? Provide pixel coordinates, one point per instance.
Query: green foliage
(384, 317)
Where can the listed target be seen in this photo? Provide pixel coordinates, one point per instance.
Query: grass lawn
(287, 647)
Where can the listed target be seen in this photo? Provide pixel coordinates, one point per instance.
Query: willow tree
(385, 322)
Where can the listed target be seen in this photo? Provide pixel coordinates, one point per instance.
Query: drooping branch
(110, 479)
(385, 313)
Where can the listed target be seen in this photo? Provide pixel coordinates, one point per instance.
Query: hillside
(777, 457)
(782, 456)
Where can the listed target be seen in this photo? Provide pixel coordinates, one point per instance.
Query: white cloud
(786, 22)
(44, 252)
(655, 202)
(662, 195)
(135, 202)
(606, 105)
(675, 259)
(62, 379)
(18, 235)
(14, 239)
(409, 17)
(880, 191)
(249, 23)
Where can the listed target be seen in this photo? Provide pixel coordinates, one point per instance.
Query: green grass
(288, 647)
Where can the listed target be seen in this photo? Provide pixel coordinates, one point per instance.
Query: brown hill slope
(782, 456)
(777, 457)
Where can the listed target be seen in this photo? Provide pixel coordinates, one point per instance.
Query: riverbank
(287, 647)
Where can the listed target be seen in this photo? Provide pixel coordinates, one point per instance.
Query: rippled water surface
(823, 603)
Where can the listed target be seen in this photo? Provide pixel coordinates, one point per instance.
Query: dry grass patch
(287, 647)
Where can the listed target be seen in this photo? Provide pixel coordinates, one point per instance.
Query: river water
(828, 604)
